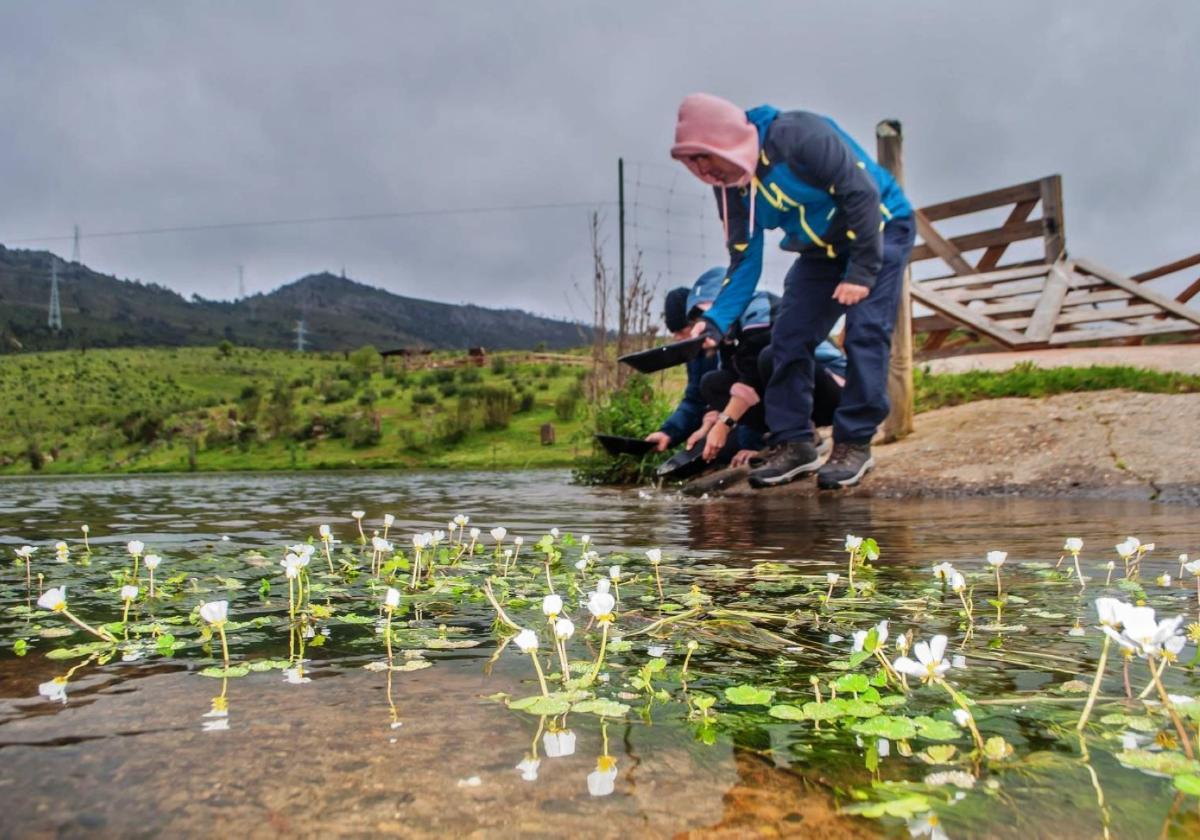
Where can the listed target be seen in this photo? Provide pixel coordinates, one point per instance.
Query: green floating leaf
(887, 726)
(831, 710)
(260, 665)
(620, 646)
(218, 672)
(1164, 763)
(748, 695)
(786, 712)
(540, 705)
(451, 644)
(860, 708)
(601, 707)
(354, 618)
(77, 651)
(852, 683)
(20, 647)
(703, 701)
(1188, 783)
(936, 730)
(905, 808)
(890, 700)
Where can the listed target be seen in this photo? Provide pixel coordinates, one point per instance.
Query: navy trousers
(807, 314)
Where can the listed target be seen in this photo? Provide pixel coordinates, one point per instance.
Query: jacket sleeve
(820, 155)
(745, 265)
(687, 416)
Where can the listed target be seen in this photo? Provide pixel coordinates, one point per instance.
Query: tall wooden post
(889, 141)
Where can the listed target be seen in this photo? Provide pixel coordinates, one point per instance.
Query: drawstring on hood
(710, 125)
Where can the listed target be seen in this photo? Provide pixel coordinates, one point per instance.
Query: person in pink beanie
(852, 228)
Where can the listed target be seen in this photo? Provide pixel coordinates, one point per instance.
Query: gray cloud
(146, 114)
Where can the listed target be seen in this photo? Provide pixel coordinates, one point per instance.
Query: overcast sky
(131, 115)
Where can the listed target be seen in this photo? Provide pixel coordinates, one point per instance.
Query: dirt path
(1104, 444)
(1184, 358)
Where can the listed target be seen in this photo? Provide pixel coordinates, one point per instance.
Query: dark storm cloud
(133, 115)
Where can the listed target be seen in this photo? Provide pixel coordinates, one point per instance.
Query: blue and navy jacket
(826, 193)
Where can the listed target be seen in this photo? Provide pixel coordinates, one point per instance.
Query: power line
(361, 217)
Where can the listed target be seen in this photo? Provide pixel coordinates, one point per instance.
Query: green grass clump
(938, 390)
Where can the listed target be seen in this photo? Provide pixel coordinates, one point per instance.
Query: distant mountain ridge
(99, 310)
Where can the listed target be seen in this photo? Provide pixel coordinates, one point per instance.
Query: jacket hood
(710, 125)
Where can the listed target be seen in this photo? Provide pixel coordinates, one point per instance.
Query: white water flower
(929, 665)
(151, 561)
(474, 533)
(1145, 636)
(54, 690)
(529, 769)
(25, 551)
(518, 541)
(958, 778)
(325, 532)
(498, 533)
(358, 514)
(601, 605)
(62, 550)
(84, 528)
(614, 573)
(853, 543)
(602, 780)
(581, 563)
(656, 651)
(1111, 612)
(527, 641)
(1164, 579)
(1073, 545)
(388, 520)
(832, 578)
(391, 599)
(215, 612)
(564, 629)
(1128, 547)
(460, 520)
(957, 582)
(552, 605)
(291, 565)
(961, 717)
(437, 537)
(654, 555)
(129, 593)
(860, 636)
(54, 599)
(381, 545)
(902, 643)
(943, 571)
(421, 541)
(136, 547)
(927, 825)
(584, 540)
(559, 744)
(1192, 567)
(603, 585)
(554, 533)
(997, 558)
(835, 639)
(958, 661)
(295, 676)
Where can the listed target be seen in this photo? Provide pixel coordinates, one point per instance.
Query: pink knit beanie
(710, 125)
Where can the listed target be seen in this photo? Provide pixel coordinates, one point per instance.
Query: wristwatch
(726, 419)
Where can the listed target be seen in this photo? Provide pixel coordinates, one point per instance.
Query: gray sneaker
(823, 445)
(846, 466)
(793, 459)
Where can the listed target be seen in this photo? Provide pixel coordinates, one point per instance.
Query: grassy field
(162, 410)
(168, 410)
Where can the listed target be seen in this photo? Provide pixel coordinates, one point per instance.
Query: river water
(350, 752)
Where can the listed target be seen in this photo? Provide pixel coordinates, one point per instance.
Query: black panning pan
(660, 358)
(684, 464)
(621, 445)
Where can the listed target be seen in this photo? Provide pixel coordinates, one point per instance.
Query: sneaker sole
(783, 478)
(867, 466)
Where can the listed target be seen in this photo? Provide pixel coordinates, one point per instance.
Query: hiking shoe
(846, 466)
(823, 445)
(793, 459)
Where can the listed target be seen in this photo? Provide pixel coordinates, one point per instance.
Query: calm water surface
(131, 752)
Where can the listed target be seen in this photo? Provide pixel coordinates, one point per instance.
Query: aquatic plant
(216, 613)
(55, 600)
(152, 562)
(358, 520)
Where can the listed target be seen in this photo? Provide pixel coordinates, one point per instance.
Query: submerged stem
(600, 657)
(537, 666)
(1087, 709)
(961, 702)
(1170, 707)
(101, 633)
(224, 645)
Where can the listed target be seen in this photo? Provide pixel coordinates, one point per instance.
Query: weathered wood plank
(933, 323)
(938, 244)
(1019, 287)
(1173, 306)
(1158, 327)
(1087, 315)
(1190, 292)
(1169, 268)
(1078, 297)
(984, 239)
(935, 340)
(999, 276)
(956, 311)
(1053, 224)
(1041, 323)
(1031, 190)
(991, 257)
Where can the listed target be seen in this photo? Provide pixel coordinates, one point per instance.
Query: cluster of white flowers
(930, 664)
(1135, 629)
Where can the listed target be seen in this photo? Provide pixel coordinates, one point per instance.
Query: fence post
(889, 141)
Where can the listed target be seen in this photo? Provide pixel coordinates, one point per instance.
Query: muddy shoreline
(1116, 445)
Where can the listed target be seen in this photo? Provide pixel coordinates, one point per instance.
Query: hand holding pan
(684, 464)
(668, 355)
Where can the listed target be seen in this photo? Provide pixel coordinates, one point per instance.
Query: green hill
(99, 310)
